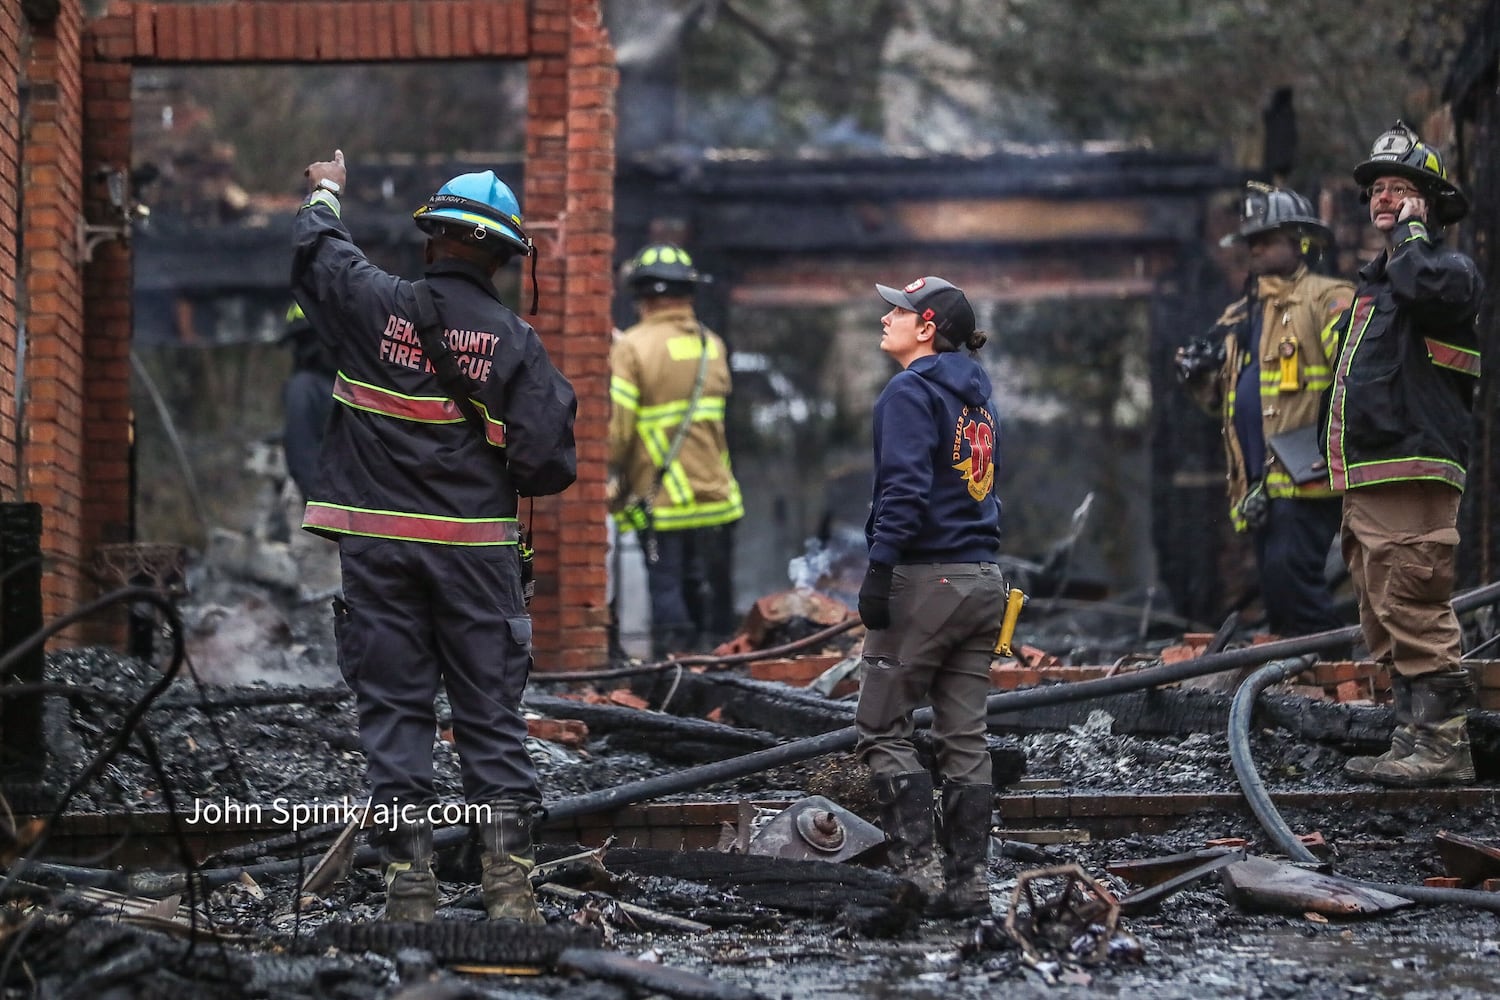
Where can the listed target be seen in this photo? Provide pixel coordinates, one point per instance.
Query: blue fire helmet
(475, 208)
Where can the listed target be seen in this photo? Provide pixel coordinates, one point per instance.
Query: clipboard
(1300, 452)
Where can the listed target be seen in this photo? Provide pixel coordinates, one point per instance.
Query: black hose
(608, 799)
(1270, 820)
(1240, 711)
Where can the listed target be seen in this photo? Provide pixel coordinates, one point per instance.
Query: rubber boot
(1440, 756)
(906, 816)
(665, 642)
(967, 809)
(410, 886)
(1403, 737)
(508, 857)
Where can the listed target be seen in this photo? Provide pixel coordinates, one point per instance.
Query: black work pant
(1291, 552)
(691, 587)
(415, 614)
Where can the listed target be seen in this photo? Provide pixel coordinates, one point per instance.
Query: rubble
(751, 924)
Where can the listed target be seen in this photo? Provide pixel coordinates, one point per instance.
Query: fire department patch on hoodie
(974, 450)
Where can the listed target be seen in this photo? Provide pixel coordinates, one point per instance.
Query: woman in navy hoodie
(933, 598)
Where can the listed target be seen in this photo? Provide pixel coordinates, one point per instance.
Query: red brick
(403, 41)
(145, 30)
(566, 732)
(346, 42)
(799, 671)
(440, 16)
(479, 27)
(303, 27)
(233, 32)
(385, 30)
(620, 696)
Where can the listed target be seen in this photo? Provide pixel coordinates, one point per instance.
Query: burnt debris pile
(710, 833)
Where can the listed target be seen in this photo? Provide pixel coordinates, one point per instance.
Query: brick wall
(52, 177)
(77, 434)
(10, 208)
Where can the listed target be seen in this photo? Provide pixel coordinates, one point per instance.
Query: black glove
(1198, 358)
(875, 596)
(1255, 506)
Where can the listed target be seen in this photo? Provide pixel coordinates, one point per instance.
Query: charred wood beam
(763, 705)
(667, 736)
(878, 901)
(1066, 175)
(1177, 711)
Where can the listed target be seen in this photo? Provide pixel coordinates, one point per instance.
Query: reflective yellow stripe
(689, 348)
(624, 392)
(700, 515)
(708, 408)
(1329, 337)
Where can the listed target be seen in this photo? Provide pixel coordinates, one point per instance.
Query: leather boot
(1403, 737)
(410, 886)
(967, 809)
(906, 816)
(1440, 756)
(508, 857)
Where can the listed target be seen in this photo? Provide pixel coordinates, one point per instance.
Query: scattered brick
(629, 699)
(1176, 654)
(796, 670)
(739, 644)
(570, 733)
(1349, 691)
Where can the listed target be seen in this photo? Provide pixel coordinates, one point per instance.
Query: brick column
(10, 231)
(52, 176)
(107, 286)
(569, 204)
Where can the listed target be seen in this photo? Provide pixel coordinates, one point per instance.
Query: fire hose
(609, 799)
(1240, 712)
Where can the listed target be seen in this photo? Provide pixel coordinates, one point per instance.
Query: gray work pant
(945, 619)
(415, 614)
(1399, 541)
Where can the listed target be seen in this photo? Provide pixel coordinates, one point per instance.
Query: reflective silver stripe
(411, 527)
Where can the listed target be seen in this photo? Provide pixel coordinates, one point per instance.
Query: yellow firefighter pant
(1399, 541)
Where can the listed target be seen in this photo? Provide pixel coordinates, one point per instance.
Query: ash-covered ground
(270, 720)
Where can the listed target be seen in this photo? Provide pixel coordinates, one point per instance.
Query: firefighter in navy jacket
(933, 597)
(424, 508)
(1398, 437)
